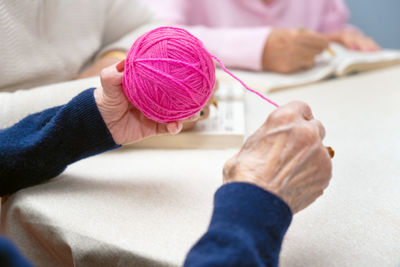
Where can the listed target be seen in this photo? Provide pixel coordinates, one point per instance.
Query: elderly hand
(285, 156)
(354, 40)
(291, 50)
(126, 123)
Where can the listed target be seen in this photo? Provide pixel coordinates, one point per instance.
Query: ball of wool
(168, 75)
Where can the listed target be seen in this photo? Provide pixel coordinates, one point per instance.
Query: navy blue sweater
(247, 225)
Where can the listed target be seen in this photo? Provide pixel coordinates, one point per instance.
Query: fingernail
(120, 66)
(174, 127)
(179, 128)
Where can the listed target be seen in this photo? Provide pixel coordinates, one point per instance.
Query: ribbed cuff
(249, 208)
(87, 134)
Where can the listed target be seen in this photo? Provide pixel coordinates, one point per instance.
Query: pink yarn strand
(242, 83)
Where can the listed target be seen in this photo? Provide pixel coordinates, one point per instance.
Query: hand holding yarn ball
(125, 122)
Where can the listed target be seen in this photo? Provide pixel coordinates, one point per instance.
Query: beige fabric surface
(147, 207)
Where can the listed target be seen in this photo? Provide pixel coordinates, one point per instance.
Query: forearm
(42, 145)
(246, 229)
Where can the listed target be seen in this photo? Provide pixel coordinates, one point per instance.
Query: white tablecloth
(147, 207)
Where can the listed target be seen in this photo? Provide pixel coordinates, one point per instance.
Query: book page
(268, 81)
(228, 119)
(348, 61)
(326, 65)
(227, 91)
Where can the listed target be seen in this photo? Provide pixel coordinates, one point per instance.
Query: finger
(350, 42)
(375, 45)
(320, 127)
(361, 42)
(300, 108)
(372, 45)
(174, 127)
(368, 44)
(111, 80)
(289, 113)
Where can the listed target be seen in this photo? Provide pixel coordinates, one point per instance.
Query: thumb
(169, 128)
(111, 79)
(174, 127)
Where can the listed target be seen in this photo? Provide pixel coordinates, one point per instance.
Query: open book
(344, 62)
(224, 128)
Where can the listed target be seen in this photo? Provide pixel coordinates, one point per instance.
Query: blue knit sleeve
(246, 229)
(41, 146)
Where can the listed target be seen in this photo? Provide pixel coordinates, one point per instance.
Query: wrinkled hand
(126, 123)
(285, 156)
(292, 50)
(354, 40)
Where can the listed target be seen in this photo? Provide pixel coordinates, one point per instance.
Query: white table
(146, 208)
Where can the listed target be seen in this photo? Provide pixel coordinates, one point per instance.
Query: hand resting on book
(292, 50)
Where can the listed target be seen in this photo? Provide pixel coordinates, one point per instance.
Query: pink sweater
(236, 30)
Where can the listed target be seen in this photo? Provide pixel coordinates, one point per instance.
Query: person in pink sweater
(274, 35)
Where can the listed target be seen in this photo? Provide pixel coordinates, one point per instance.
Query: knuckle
(284, 66)
(307, 132)
(283, 115)
(229, 168)
(105, 74)
(254, 139)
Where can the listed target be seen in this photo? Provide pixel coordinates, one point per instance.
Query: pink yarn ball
(169, 75)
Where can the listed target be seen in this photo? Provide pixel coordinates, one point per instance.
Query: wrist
(264, 184)
(99, 99)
